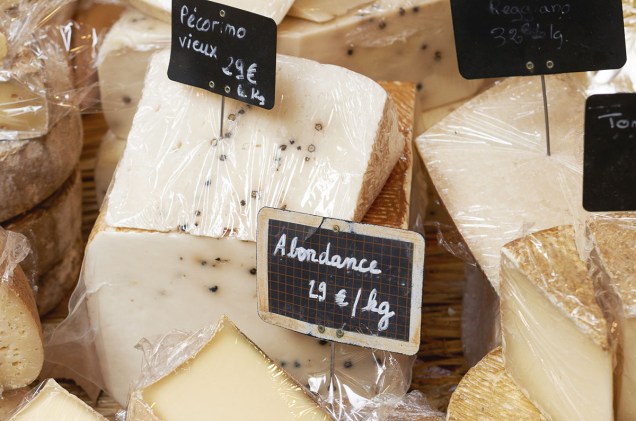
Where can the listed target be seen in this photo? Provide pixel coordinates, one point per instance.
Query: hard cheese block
(387, 40)
(326, 148)
(52, 402)
(148, 283)
(557, 345)
(613, 261)
(214, 383)
(161, 9)
(122, 63)
(21, 348)
(110, 151)
(489, 164)
(488, 393)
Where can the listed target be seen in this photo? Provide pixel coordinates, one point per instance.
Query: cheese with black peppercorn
(326, 148)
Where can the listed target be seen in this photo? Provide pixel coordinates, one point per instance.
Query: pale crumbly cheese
(489, 164)
(110, 151)
(326, 148)
(488, 393)
(21, 347)
(388, 40)
(52, 402)
(161, 9)
(205, 386)
(141, 284)
(556, 342)
(613, 265)
(122, 63)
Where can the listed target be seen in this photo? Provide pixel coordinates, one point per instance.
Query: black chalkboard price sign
(498, 38)
(225, 50)
(609, 169)
(340, 281)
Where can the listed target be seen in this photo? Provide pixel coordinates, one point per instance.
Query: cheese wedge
(326, 148)
(34, 169)
(21, 348)
(161, 9)
(122, 63)
(205, 386)
(387, 40)
(52, 402)
(613, 265)
(110, 152)
(52, 227)
(488, 393)
(489, 164)
(143, 284)
(557, 345)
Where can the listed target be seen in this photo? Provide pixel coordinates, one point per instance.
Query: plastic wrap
(177, 353)
(557, 344)
(168, 251)
(275, 9)
(21, 347)
(612, 265)
(50, 401)
(489, 164)
(409, 40)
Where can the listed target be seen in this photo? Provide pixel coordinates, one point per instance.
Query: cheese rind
(613, 265)
(21, 347)
(58, 282)
(403, 40)
(205, 386)
(489, 164)
(161, 9)
(556, 342)
(327, 151)
(52, 402)
(34, 169)
(141, 284)
(52, 227)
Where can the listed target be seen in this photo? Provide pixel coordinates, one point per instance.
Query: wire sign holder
(501, 38)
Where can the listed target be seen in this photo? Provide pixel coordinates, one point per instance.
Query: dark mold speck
(214, 288)
(253, 271)
(348, 364)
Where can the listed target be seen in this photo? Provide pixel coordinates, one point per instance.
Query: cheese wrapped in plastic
(50, 401)
(612, 265)
(558, 346)
(21, 347)
(172, 247)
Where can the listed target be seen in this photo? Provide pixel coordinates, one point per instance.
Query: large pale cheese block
(52, 227)
(141, 284)
(557, 345)
(387, 40)
(34, 169)
(122, 63)
(324, 10)
(161, 9)
(488, 393)
(326, 148)
(215, 382)
(21, 347)
(52, 402)
(110, 151)
(613, 265)
(489, 164)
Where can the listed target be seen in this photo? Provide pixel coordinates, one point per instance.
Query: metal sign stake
(222, 114)
(546, 115)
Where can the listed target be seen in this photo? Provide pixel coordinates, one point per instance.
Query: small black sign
(341, 281)
(225, 50)
(609, 170)
(500, 38)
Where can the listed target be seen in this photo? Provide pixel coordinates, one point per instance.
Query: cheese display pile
(189, 389)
